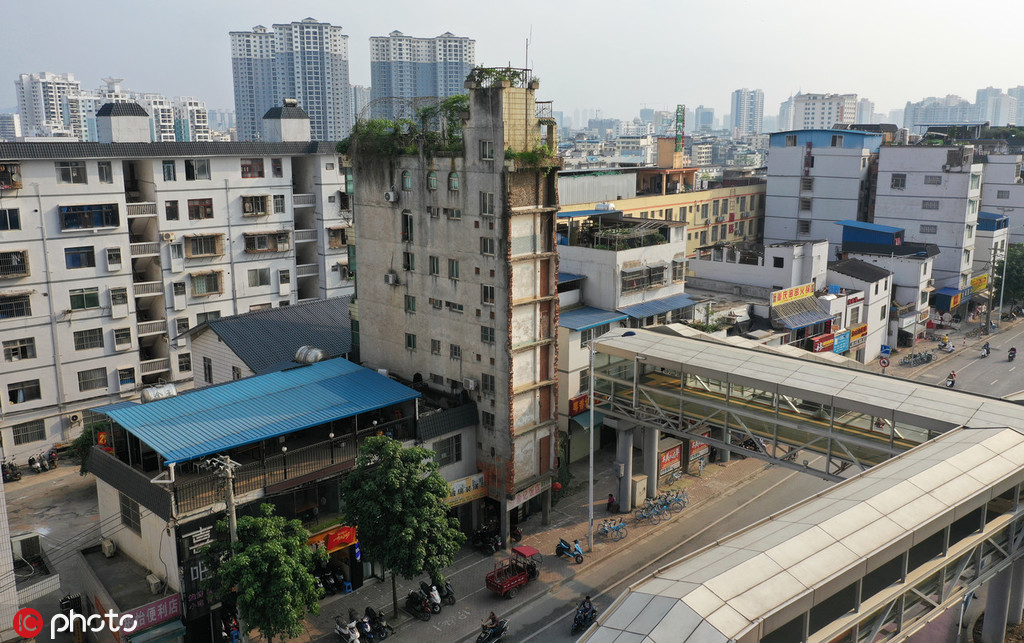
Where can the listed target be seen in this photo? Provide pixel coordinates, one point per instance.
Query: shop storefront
(343, 553)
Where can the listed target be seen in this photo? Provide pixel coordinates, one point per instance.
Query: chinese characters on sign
(823, 343)
(530, 492)
(334, 538)
(842, 342)
(467, 489)
(979, 283)
(157, 612)
(199, 538)
(579, 404)
(670, 459)
(792, 294)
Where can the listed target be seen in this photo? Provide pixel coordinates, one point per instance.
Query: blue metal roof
(587, 317)
(657, 306)
(214, 419)
(566, 277)
(864, 225)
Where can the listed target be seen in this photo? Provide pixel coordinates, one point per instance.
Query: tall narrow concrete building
(747, 112)
(305, 60)
(457, 279)
(404, 67)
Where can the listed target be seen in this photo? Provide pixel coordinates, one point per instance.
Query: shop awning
(799, 313)
(583, 419)
(657, 306)
(166, 632)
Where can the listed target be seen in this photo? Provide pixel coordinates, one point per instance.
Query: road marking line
(992, 382)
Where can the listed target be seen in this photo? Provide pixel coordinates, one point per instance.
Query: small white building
(1002, 192)
(875, 283)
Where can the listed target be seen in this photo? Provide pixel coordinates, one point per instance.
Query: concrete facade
(1002, 191)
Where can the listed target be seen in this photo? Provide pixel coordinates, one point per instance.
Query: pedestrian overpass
(935, 511)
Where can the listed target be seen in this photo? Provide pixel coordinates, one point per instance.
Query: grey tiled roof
(75, 150)
(264, 338)
(121, 109)
(858, 269)
(286, 111)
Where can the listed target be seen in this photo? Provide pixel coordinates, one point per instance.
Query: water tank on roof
(309, 355)
(605, 206)
(154, 393)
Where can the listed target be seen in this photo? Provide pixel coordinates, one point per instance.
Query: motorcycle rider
(951, 376)
(987, 349)
(491, 622)
(588, 608)
(1013, 352)
(945, 340)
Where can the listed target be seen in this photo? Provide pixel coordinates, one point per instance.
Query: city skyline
(562, 35)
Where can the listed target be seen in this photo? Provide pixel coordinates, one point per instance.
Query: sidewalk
(569, 520)
(958, 338)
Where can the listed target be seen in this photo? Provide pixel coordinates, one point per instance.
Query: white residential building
(815, 179)
(305, 60)
(180, 119)
(865, 112)
(747, 112)
(406, 68)
(1002, 191)
(10, 127)
(191, 122)
(875, 283)
(934, 193)
(822, 111)
(39, 102)
(113, 250)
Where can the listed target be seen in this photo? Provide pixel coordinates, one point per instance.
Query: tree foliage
(270, 568)
(1014, 291)
(436, 128)
(396, 498)
(82, 445)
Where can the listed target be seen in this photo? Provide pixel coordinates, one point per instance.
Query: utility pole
(991, 290)
(226, 469)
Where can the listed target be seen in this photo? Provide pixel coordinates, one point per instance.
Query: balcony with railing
(141, 210)
(146, 249)
(159, 365)
(148, 288)
(307, 270)
(152, 327)
(304, 235)
(303, 200)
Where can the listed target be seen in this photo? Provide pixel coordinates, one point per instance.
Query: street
(994, 376)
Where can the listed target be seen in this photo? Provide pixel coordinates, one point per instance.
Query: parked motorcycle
(34, 464)
(380, 626)
(486, 540)
(417, 604)
(362, 626)
(431, 593)
(495, 634)
(444, 589)
(516, 533)
(347, 632)
(565, 549)
(10, 471)
(327, 580)
(583, 618)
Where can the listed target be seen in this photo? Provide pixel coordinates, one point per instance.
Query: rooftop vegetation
(435, 129)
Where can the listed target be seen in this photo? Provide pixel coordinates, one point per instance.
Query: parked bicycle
(614, 530)
(647, 513)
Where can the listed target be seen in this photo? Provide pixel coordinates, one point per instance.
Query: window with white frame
(487, 203)
(487, 150)
(170, 174)
(487, 245)
(259, 277)
(130, 514)
(278, 204)
(410, 341)
(197, 169)
(106, 173)
(455, 352)
(71, 172)
(487, 334)
(84, 298)
(898, 182)
(487, 294)
(18, 349)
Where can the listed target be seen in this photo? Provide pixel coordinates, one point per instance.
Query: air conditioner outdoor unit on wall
(167, 236)
(74, 419)
(469, 383)
(391, 196)
(391, 279)
(109, 548)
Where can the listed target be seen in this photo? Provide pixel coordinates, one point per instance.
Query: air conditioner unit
(167, 236)
(391, 278)
(109, 548)
(155, 584)
(74, 419)
(391, 196)
(469, 383)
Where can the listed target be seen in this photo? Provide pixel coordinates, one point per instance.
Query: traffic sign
(886, 350)
(884, 362)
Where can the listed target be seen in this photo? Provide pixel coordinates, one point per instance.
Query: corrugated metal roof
(799, 313)
(864, 225)
(217, 418)
(73, 150)
(858, 269)
(657, 306)
(446, 421)
(565, 277)
(587, 317)
(263, 338)
(562, 214)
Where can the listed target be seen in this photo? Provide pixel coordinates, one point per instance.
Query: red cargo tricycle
(515, 571)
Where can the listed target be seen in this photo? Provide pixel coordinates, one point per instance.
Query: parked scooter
(495, 634)
(583, 618)
(516, 533)
(565, 549)
(417, 604)
(327, 580)
(431, 593)
(347, 632)
(10, 471)
(34, 464)
(380, 626)
(445, 590)
(486, 540)
(362, 626)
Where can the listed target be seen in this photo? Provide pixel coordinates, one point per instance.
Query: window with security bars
(130, 516)
(435, 347)
(15, 306)
(126, 377)
(448, 451)
(206, 284)
(90, 338)
(185, 362)
(26, 432)
(208, 246)
(14, 264)
(122, 336)
(92, 378)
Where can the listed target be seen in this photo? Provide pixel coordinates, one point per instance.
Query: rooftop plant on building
(434, 129)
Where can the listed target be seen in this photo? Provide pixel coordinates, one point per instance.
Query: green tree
(1014, 291)
(82, 445)
(270, 569)
(396, 498)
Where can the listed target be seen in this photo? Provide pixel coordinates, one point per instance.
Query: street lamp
(331, 437)
(284, 458)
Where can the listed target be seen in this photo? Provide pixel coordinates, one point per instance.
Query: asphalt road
(549, 617)
(994, 376)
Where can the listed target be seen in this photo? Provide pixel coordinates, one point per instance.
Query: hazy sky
(612, 55)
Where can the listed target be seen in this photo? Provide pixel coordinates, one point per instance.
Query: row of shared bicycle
(654, 510)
